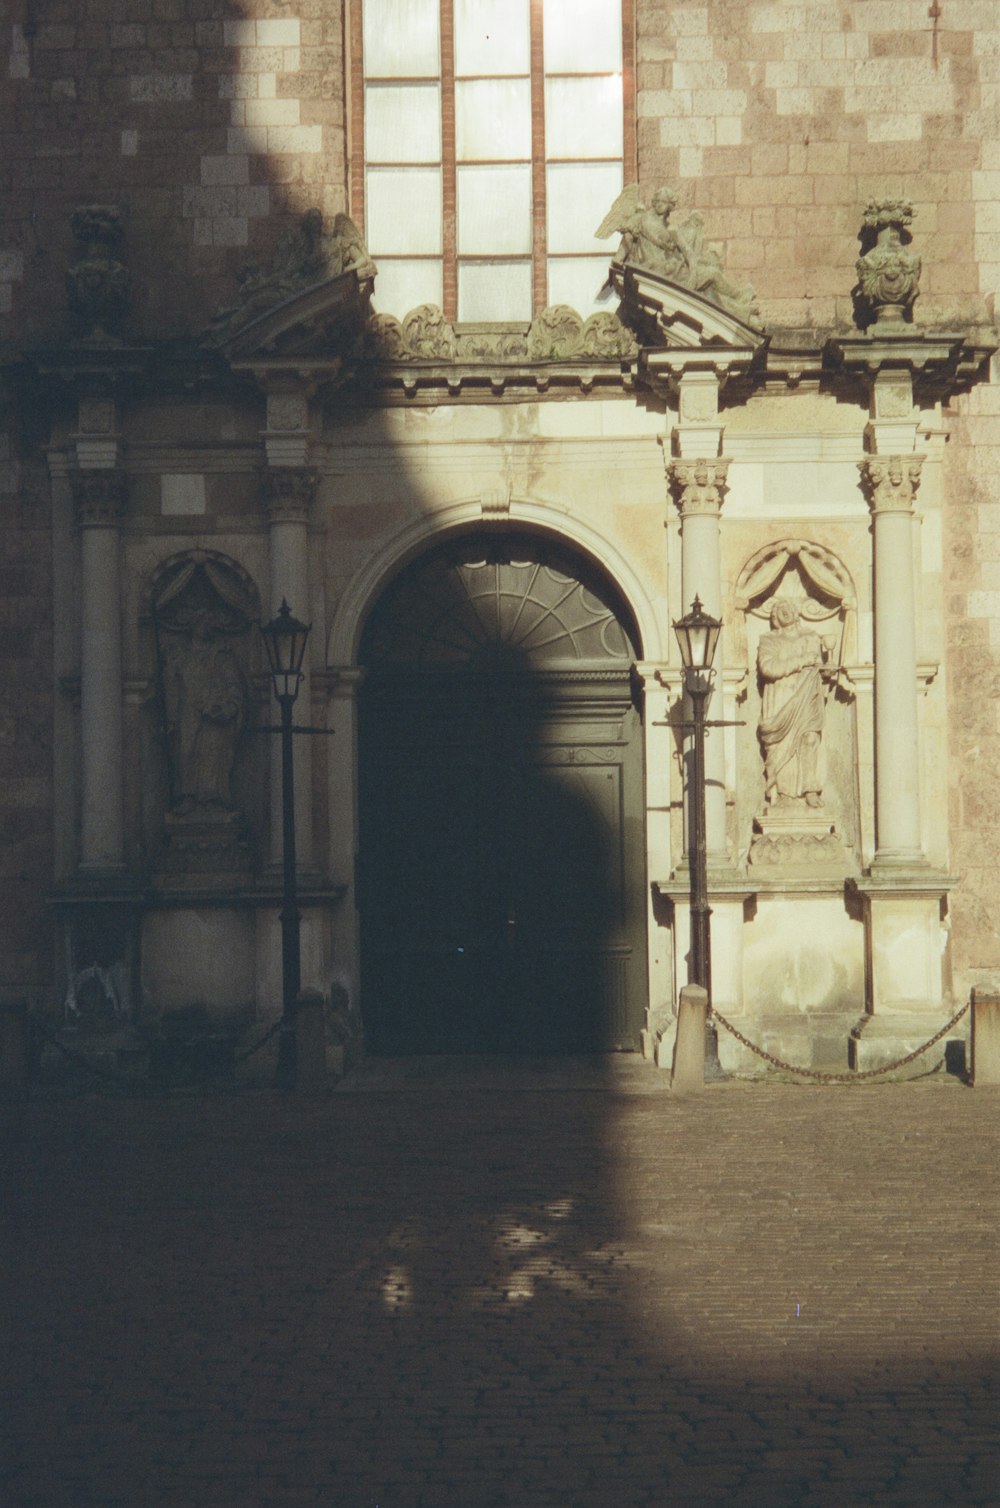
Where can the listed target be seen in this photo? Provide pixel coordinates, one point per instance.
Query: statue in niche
(678, 252)
(206, 698)
(207, 702)
(789, 661)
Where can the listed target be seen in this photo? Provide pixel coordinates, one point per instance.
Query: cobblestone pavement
(448, 1286)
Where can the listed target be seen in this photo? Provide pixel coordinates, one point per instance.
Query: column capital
(288, 493)
(698, 486)
(891, 482)
(100, 497)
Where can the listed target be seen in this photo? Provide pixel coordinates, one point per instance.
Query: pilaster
(99, 496)
(698, 486)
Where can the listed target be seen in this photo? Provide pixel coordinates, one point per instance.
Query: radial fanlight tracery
(521, 606)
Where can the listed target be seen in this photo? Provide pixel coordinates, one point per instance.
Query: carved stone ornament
(288, 493)
(888, 272)
(891, 482)
(97, 284)
(677, 252)
(698, 486)
(304, 256)
(100, 497)
(558, 333)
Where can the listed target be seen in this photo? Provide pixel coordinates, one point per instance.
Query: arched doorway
(501, 853)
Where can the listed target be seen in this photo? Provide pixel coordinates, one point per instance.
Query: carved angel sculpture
(678, 252)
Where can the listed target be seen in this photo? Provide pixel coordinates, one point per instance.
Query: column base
(905, 937)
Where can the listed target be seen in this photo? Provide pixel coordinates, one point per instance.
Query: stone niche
(798, 807)
(202, 765)
(203, 790)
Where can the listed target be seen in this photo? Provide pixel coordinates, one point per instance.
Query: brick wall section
(206, 121)
(779, 121)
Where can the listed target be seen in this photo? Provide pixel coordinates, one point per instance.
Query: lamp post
(697, 636)
(285, 641)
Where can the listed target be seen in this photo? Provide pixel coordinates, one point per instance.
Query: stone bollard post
(13, 1049)
(985, 1038)
(310, 1043)
(688, 1073)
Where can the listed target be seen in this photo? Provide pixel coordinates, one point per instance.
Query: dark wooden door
(501, 864)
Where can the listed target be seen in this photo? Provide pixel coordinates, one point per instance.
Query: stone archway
(502, 877)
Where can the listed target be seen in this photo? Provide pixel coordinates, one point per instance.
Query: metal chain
(839, 1078)
(110, 1076)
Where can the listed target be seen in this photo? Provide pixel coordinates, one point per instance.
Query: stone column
(100, 500)
(288, 496)
(699, 487)
(892, 482)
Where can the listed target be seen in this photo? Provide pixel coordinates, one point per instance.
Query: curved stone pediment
(315, 322)
(682, 318)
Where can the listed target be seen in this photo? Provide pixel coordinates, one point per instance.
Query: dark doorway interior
(502, 894)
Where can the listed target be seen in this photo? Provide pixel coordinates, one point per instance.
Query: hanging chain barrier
(132, 1082)
(856, 1076)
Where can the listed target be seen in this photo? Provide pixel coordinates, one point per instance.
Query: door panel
(500, 909)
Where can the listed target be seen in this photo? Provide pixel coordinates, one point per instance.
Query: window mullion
(449, 297)
(539, 238)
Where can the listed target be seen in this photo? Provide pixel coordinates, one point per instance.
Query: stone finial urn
(97, 284)
(888, 272)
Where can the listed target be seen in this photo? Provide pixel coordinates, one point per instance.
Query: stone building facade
(731, 338)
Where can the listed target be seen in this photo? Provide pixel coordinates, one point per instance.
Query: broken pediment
(308, 301)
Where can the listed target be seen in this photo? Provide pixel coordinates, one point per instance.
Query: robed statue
(789, 661)
(207, 701)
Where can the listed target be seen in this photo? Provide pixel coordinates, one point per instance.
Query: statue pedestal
(798, 839)
(205, 845)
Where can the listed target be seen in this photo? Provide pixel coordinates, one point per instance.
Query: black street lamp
(285, 641)
(697, 636)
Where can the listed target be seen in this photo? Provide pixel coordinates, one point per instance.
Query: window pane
(579, 196)
(403, 123)
(401, 285)
(403, 210)
(401, 38)
(583, 117)
(493, 119)
(577, 281)
(494, 290)
(583, 36)
(494, 211)
(492, 36)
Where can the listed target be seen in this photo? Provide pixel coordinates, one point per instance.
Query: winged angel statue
(678, 252)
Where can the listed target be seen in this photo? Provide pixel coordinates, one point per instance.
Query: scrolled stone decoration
(288, 492)
(97, 284)
(427, 334)
(558, 333)
(888, 272)
(891, 482)
(100, 498)
(698, 486)
(677, 252)
(303, 256)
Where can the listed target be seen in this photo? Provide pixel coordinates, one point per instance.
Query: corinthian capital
(698, 486)
(99, 497)
(288, 493)
(891, 482)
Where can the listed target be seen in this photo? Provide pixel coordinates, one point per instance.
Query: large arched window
(489, 139)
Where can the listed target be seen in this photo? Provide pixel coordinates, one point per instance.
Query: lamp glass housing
(697, 636)
(285, 641)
